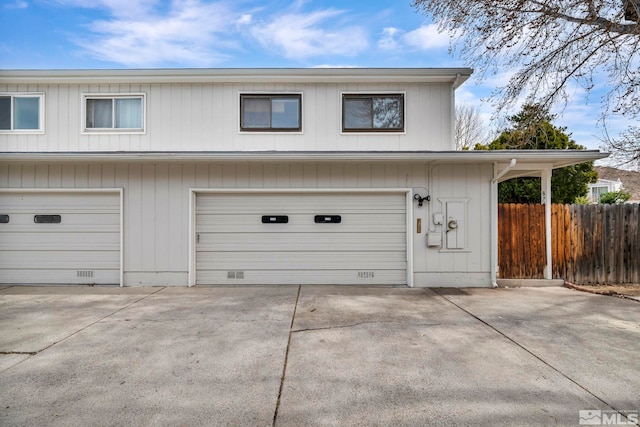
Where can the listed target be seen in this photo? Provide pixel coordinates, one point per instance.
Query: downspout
(456, 84)
(494, 221)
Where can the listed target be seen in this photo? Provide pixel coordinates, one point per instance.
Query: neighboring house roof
(608, 182)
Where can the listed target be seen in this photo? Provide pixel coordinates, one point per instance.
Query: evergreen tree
(531, 129)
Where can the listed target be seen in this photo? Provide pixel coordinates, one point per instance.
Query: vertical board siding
(205, 117)
(466, 182)
(156, 200)
(591, 244)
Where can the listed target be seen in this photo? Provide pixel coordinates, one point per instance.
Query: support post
(494, 233)
(497, 174)
(546, 200)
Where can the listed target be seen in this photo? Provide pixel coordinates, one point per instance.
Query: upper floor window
(21, 112)
(373, 113)
(270, 113)
(114, 113)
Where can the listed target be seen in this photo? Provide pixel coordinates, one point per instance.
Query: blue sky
(44, 34)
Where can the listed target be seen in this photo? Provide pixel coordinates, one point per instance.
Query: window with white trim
(270, 112)
(21, 112)
(114, 113)
(373, 113)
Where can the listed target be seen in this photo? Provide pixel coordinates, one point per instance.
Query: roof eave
(549, 158)
(237, 75)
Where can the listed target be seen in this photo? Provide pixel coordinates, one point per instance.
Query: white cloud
(388, 40)
(300, 35)
(427, 37)
(191, 33)
(245, 19)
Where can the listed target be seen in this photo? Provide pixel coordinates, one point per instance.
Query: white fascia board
(239, 75)
(526, 159)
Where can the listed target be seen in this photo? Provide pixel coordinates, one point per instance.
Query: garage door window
(47, 219)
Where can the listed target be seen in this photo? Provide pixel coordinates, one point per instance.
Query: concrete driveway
(316, 355)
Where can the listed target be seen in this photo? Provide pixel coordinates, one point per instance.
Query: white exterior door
(59, 238)
(301, 238)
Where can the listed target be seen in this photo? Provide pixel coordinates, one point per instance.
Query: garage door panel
(334, 241)
(61, 276)
(310, 277)
(54, 242)
(302, 223)
(64, 209)
(79, 200)
(58, 228)
(83, 248)
(69, 259)
(67, 219)
(300, 203)
(299, 260)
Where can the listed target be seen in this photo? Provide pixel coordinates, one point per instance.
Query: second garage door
(301, 238)
(59, 238)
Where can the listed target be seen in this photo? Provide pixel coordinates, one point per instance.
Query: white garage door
(60, 238)
(306, 238)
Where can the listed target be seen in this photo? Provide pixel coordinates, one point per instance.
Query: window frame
(598, 190)
(41, 122)
(271, 96)
(371, 95)
(113, 96)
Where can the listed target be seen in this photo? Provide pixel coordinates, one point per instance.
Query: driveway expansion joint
(286, 358)
(360, 324)
(34, 353)
(513, 341)
(28, 353)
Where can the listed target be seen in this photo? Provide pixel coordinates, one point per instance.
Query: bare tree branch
(470, 129)
(625, 149)
(551, 45)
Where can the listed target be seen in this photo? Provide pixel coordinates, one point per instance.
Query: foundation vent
(84, 274)
(235, 274)
(365, 275)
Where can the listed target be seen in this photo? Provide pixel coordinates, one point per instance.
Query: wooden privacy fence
(590, 243)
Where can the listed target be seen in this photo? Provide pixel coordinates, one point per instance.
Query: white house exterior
(260, 176)
(603, 186)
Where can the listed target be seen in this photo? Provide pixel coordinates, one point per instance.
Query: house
(182, 177)
(601, 187)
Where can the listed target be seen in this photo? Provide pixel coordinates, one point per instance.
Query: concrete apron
(350, 356)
